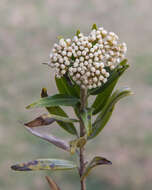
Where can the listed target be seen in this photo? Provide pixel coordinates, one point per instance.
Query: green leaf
(44, 164)
(78, 32)
(103, 97)
(69, 127)
(106, 113)
(94, 26)
(60, 37)
(47, 119)
(116, 73)
(77, 143)
(56, 110)
(96, 161)
(56, 100)
(65, 86)
(86, 117)
(98, 126)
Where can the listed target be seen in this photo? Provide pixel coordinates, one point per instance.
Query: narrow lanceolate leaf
(56, 110)
(77, 143)
(47, 119)
(115, 74)
(96, 161)
(86, 117)
(106, 113)
(50, 138)
(56, 100)
(103, 97)
(65, 86)
(52, 184)
(69, 127)
(98, 126)
(44, 164)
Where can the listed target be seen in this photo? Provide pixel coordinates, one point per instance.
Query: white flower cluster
(86, 58)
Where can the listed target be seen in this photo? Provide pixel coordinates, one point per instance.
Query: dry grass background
(28, 30)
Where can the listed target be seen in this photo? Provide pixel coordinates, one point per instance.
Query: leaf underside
(96, 161)
(44, 164)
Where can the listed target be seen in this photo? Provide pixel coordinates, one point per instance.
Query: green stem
(83, 97)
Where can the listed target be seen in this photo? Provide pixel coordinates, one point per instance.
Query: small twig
(52, 183)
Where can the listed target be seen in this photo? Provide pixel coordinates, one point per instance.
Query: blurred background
(28, 30)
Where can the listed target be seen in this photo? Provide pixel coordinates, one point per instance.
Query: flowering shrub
(84, 66)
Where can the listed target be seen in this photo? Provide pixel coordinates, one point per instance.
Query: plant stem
(83, 97)
(82, 167)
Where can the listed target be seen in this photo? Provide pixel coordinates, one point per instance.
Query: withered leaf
(39, 121)
(77, 143)
(44, 93)
(47, 119)
(44, 164)
(96, 161)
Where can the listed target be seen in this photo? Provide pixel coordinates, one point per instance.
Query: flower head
(87, 59)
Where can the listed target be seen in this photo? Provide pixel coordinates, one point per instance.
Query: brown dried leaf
(77, 143)
(39, 121)
(47, 119)
(44, 93)
(96, 161)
